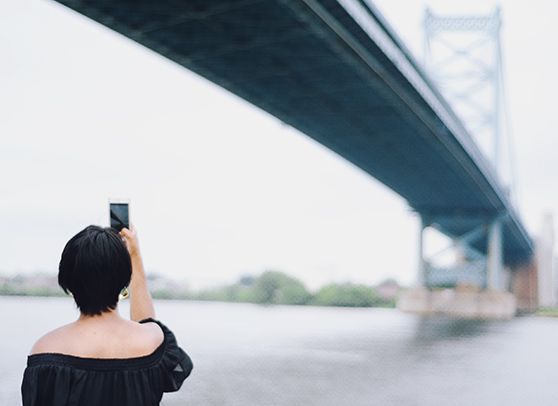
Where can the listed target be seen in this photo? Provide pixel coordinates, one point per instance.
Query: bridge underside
(335, 71)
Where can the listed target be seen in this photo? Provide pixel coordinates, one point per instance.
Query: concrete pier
(465, 302)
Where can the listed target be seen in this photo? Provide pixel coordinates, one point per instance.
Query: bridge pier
(494, 264)
(463, 301)
(421, 262)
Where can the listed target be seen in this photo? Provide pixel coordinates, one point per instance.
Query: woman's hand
(131, 239)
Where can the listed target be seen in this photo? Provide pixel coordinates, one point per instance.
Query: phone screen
(119, 216)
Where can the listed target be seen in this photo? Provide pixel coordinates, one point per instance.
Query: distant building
(388, 289)
(546, 263)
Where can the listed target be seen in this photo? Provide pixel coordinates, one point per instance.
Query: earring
(124, 293)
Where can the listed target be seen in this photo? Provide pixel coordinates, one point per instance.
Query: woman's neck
(111, 315)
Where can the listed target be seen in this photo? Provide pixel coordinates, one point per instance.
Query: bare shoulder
(121, 339)
(148, 336)
(52, 341)
(151, 328)
(153, 331)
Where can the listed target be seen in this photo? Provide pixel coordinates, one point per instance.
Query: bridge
(336, 71)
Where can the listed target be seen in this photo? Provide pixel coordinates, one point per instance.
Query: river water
(287, 355)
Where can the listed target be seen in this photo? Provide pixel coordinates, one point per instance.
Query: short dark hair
(95, 266)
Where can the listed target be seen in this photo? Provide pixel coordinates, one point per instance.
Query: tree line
(273, 287)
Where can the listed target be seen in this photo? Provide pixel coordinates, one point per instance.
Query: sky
(219, 188)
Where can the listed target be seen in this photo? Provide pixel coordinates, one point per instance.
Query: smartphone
(119, 214)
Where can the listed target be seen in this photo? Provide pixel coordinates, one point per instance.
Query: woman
(102, 358)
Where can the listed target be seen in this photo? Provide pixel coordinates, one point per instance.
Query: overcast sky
(219, 188)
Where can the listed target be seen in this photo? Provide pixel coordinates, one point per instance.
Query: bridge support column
(495, 266)
(421, 262)
(463, 301)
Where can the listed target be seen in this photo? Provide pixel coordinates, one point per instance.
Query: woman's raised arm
(141, 303)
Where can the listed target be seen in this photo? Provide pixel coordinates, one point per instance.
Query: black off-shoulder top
(67, 380)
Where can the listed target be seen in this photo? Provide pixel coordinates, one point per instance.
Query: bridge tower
(464, 59)
(463, 56)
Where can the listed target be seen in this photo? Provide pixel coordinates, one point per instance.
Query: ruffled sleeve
(175, 365)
